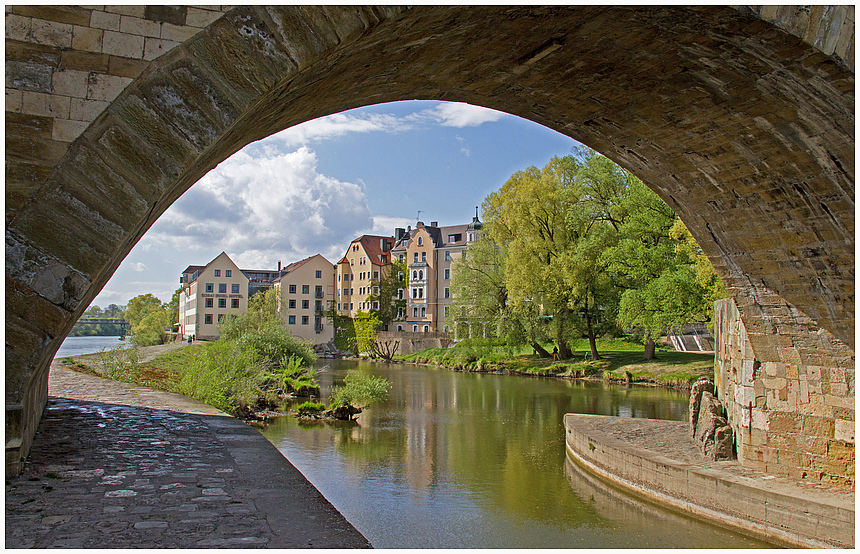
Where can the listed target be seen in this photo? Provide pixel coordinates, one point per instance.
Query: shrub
(224, 376)
(119, 363)
(359, 390)
(307, 409)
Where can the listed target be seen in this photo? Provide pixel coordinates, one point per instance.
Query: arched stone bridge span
(741, 119)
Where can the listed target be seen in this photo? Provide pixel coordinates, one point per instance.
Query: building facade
(208, 294)
(429, 253)
(307, 288)
(366, 260)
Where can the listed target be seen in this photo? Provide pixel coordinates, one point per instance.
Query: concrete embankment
(115, 465)
(658, 461)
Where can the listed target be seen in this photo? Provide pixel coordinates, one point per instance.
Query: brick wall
(791, 414)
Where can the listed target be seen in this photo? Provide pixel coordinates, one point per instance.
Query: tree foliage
(391, 278)
(149, 320)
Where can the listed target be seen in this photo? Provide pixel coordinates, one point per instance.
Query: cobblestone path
(106, 474)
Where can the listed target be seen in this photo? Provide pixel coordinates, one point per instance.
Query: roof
(193, 268)
(296, 265)
(439, 235)
(373, 248)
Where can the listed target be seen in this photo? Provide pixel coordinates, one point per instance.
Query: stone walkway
(116, 465)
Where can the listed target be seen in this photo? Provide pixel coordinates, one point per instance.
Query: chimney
(434, 224)
(399, 232)
(279, 266)
(383, 245)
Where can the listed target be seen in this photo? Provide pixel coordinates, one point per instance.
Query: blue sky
(314, 187)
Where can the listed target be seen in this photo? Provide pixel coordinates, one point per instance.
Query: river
(78, 346)
(466, 460)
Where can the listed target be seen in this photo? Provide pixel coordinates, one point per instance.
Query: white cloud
(463, 148)
(264, 208)
(139, 267)
(456, 114)
(337, 125)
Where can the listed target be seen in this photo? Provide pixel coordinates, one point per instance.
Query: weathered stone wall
(410, 342)
(792, 406)
(745, 127)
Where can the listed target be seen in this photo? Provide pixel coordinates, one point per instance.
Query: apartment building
(219, 288)
(429, 252)
(366, 259)
(307, 287)
(208, 294)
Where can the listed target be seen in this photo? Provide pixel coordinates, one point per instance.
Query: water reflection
(471, 460)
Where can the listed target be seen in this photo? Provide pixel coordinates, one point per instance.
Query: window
(376, 274)
(415, 256)
(222, 302)
(338, 277)
(352, 261)
(217, 273)
(207, 319)
(291, 320)
(446, 311)
(447, 292)
(414, 328)
(234, 303)
(400, 314)
(234, 288)
(292, 289)
(220, 318)
(319, 274)
(292, 303)
(305, 320)
(228, 273)
(376, 291)
(414, 274)
(447, 255)
(420, 274)
(400, 259)
(350, 305)
(447, 273)
(470, 237)
(306, 304)
(414, 312)
(400, 276)
(400, 327)
(346, 292)
(420, 241)
(222, 288)
(426, 328)
(424, 256)
(384, 259)
(400, 294)
(318, 293)
(207, 303)
(375, 305)
(423, 312)
(210, 287)
(318, 306)
(306, 289)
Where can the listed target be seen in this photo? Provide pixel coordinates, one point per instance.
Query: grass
(621, 360)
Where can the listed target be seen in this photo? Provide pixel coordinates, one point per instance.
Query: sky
(313, 188)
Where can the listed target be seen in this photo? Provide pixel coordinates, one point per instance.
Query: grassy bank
(620, 362)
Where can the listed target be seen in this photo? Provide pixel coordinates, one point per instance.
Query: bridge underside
(743, 128)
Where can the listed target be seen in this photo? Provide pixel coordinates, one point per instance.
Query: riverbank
(668, 369)
(115, 465)
(656, 460)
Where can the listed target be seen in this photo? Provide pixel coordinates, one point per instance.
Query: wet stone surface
(106, 475)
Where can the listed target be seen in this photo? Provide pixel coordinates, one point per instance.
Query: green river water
(466, 460)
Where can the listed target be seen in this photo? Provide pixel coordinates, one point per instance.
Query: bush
(119, 363)
(224, 376)
(308, 409)
(359, 390)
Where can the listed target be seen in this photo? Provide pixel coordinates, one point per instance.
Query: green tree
(391, 278)
(173, 307)
(149, 320)
(139, 306)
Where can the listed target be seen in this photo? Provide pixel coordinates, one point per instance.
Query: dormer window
(420, 241)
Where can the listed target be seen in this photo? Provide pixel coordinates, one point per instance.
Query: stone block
(67, 130)
(175, 15)
(818, 426)
(84, 61)
(121, 44)
(24, 125)
(86, 110)
(126, 67)
(154, 48)
(72, 15)
(783, 422)
(17, 27)
(51, 33)
(87, 38)
(844, 431)
(139, 26)
(104, 20)
(132, 10)
(106, 87)
(71, 83)
(50, 105)
(28, 76)
(177, 33)
(14, 100)
(197, 17)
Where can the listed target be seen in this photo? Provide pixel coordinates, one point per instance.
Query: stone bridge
(741, 119)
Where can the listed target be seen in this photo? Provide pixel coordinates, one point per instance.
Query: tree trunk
(649, 348)
(564, 351)
(592, 340)
(541, 351)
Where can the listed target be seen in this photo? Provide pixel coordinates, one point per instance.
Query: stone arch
(742, 120)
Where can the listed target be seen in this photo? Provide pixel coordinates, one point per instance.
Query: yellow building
(366, 259)
(306, 290)
(429, 252)
(208, 294)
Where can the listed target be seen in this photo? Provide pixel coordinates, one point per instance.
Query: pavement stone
(115, 465)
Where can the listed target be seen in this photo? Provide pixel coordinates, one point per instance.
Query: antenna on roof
(419, 215)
